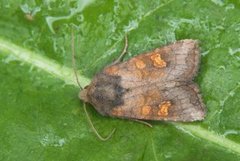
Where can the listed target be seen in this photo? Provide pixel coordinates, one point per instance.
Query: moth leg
(94, 129)
(124, 51)
(142, 122)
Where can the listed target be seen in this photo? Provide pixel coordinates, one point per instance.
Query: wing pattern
(152, 86)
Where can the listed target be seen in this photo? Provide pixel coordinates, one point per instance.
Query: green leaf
(41, 117)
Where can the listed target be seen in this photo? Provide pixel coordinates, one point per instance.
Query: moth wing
(152, 86)
(181, 103)
(178, 61)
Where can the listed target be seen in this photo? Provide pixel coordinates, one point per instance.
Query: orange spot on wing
(146, 110)
(163, 108)
(112, 70)
(140, 64)
(158, 61)
(117, 111)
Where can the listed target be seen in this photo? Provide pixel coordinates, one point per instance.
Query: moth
(156, 85)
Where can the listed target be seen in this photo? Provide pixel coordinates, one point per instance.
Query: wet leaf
(41, 117)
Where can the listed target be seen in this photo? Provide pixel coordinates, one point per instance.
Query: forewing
(173, 103)
(178, 61)
(152, 86)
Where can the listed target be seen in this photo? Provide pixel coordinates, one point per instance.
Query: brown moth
(156, 85)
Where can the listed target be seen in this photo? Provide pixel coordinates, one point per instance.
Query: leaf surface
(41, 117)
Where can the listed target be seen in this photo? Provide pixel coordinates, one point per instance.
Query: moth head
(83, 94)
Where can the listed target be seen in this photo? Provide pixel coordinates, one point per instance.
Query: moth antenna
(84, 105)
(124, 51)
(74, 61)
(94, 129)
